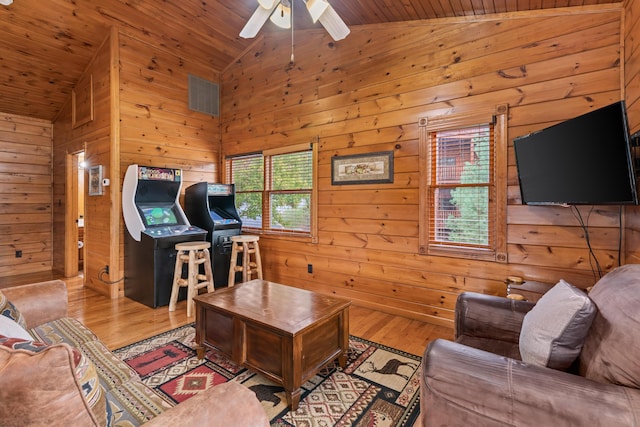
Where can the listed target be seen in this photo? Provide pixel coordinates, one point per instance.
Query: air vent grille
(204, 96)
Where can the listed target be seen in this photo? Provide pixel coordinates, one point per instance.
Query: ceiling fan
(280, 12)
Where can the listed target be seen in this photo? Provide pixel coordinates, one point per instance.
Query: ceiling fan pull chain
(292, 56)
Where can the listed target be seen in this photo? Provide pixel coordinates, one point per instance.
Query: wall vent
(204, 96)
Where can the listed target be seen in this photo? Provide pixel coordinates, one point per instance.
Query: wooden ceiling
(46, 44)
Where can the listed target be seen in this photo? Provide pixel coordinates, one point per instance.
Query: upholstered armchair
(481, 380)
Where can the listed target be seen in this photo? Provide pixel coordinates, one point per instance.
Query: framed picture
(95, 180)
(82, 102)
(370, 168)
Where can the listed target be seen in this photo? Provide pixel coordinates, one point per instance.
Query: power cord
(101, 274)
(597, 271)
(619, 234)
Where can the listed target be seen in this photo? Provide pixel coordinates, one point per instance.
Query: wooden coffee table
(287, 334)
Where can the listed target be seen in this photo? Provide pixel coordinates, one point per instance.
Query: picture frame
(82, 102)
(95, 180)
(368, 168)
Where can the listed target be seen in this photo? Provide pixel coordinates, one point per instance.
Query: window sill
(298, 237)
(462, 252)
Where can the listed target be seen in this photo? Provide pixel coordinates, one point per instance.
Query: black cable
(597, 272)
(619, 234)
(101, 274)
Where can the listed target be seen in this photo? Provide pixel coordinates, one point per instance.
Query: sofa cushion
(9, 310)
(64, 330)
(38, 386)
(133, 403)
(84, 371)
(11, 328)
(92, 389)
(553, 332)
(22, 344)
(610, 353)
(111, 370)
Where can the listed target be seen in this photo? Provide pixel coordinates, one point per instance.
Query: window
(463, 186)
(275, 190)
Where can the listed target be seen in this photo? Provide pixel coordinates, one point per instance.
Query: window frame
(266, 191)
(452, 120)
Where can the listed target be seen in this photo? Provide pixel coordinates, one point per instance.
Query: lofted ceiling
(46, 45)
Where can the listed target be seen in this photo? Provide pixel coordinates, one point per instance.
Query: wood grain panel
(547, 68)
(156, 126)
(92, 138)
(25, 195)
(632, 98)
(359, 95)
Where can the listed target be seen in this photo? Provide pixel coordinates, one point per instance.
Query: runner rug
(378, 387)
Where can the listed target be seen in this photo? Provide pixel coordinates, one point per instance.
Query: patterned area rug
(378, 387)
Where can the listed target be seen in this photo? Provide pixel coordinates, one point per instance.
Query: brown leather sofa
(38, 389)
(479, 380)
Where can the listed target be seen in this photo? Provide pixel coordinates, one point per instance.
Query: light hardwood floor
(123, 321)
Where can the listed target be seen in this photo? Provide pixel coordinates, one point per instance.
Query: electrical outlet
(309, 268)
(18, 254)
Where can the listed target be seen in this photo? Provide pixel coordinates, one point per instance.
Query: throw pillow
(554, 331)
(85, 372)
(9, 310)
(10, 328)
(92, 391)
(40, 389)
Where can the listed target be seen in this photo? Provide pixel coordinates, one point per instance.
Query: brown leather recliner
(479, 380)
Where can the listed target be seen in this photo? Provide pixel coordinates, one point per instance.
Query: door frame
(71, 258)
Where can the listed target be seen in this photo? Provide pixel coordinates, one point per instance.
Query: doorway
(74, 215)
(80, 214)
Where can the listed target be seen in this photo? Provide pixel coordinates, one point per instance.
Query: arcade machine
(213, 207)
(155, 222)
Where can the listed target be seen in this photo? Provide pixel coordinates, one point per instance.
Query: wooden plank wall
(632, 62)
(632, 96)
(94, 138)
(156, 126)
(366, 93)
(25, 195)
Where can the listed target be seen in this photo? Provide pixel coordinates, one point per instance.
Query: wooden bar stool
(194, 254)
(251, 262)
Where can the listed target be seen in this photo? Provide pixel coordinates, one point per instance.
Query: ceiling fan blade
(257, 20)
(334, 25)
(316, 8)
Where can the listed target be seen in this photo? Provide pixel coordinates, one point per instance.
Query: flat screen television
(586, 160)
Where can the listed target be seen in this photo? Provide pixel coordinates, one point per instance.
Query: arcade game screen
(158, 215)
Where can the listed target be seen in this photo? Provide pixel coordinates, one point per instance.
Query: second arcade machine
(212, 207)
(155, 222)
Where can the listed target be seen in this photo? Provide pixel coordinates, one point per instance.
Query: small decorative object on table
(527, 290)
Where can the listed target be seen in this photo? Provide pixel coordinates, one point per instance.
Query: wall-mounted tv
(586, 160)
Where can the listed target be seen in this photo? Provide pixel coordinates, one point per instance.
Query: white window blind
(274, 190)
(247, 173)
(290, 191)
(461, 187)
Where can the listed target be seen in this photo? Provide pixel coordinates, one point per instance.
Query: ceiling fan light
(282, 16)
(6, 2)
(256, 21)
(334, 25)
(316, 8)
